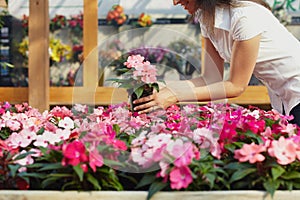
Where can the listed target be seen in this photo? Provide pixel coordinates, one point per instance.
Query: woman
(248, 36)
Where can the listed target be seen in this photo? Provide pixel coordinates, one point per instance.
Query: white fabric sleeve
(244, 28)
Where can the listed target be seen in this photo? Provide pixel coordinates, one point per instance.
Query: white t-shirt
(278, 61)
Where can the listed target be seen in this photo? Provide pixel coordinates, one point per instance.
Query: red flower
(74, 153)
(22, 184)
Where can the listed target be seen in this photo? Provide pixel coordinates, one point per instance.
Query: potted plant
(138, 77)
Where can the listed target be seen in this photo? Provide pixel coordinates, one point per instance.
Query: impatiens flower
(95, 159)
(180, 177)
(21, 139)
(74, 153)
(284, 150)
(142, 157)
(47, 138)
(81, 108)
(267, 133)
(157, 141)
(290, 129)
(146, 71)
(62, 134)
(13, 125)
(250, 152)
(66, 123)
(61, 112)
(27, 160)
(207, 140)
(183, 152)
(164, 166)
(134, 60)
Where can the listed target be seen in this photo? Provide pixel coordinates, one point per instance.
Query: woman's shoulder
(250, 8)
(252, 11)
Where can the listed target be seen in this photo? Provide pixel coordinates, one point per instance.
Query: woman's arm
(210, 86)
(243, 60)
(212, 66)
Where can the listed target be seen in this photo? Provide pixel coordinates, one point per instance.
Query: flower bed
(188, 148)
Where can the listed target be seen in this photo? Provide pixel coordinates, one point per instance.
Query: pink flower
(134, 60)
(95, 159)
(119, 144)
(267, 133)
(61, 112)
(81, 108)
(284, 150)
(164, 166)
(13, 125)
(183, 152)
(74, 153)
(27, 160)
(290, 129)
(208, 140)
(146, 71)
(21, 139)
(142, 157)
(180, 177)
(62, 134)
(156, 141)
(250, 152)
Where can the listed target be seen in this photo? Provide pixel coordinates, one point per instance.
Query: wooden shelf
(254, 95)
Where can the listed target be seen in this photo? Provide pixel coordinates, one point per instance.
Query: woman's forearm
(190, 91)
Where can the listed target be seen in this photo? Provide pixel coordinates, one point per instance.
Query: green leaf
(238, 175)
(51, 166)
(71, 183)
(116, 128)
(211, 179)
(231, 147)
(79, 172)
(113, 163)
(236, 166)
(154, 188)
(35, 165)
(113, 79)
(296, 185)
(41, 131)
(139, 92)
(146, 180)
(13, 169)
(277, 171)
(271, 186)
(155, 86)
(291, 175)
(254, 136)
(49, 181)
(289, 185)
(59, 175)
(35, 175)
(93, 181)
(23, 155)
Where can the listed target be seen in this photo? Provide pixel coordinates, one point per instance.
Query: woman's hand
(158, 100)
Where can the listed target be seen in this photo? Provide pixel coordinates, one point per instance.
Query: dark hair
(208, 7)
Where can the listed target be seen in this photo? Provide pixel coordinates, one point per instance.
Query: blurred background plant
(65, 49)
(281, 13)
(57, 22)
(75, 23)
(116, 16)
(144, 20)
